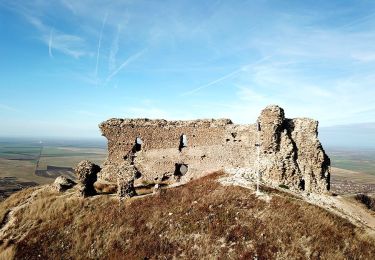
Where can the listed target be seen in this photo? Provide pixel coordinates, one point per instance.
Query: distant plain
(25, 163)
(353, 170)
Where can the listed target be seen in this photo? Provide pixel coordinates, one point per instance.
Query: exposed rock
(123, 174)
(86, 173)
(62, 183)
(312, 160)
(291, 153)
(145, 122)
(125, 180)
(271, 121)
(125, 188)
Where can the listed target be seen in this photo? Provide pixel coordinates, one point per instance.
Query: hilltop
(185, 189)
(205, 218)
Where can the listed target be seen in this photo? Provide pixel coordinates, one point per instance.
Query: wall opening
(138, 144)
(137, 175)
(302, 185)
(183, 142)
(258, 126)
(180, 169)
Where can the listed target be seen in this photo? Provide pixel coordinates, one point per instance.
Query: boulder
(62, 184)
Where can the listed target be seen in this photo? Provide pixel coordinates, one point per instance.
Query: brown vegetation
(7, 254)
(14, 200)
(200, 220)
(368, 201)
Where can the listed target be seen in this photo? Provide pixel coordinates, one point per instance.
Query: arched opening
(183, 142)
(138, 144)
(302, 184)
(137, 174)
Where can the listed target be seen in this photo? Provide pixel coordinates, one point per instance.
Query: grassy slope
(202, 219)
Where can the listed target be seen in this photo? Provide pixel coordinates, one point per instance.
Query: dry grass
(141, 188)
(14, 200)
(106, 188)
(7, 254)
(200, 220)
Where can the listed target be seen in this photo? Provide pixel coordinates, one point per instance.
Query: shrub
(283, 186)
(368, 201)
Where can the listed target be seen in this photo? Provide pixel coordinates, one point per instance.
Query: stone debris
(156, 189)
(62, 184)
(86, 173)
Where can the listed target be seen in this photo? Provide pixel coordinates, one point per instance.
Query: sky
(67, 65)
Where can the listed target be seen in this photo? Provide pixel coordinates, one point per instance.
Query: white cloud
(68, 44)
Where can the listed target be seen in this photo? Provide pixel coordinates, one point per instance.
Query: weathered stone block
(86, 173)
(62, 183)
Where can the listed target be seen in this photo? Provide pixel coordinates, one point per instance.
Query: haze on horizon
(68, 65)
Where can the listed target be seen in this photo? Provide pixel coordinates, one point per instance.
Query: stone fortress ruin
(284, 151)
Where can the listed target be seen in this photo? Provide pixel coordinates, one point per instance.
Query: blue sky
(68, 65)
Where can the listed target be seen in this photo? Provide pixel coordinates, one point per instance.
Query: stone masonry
(285, 151)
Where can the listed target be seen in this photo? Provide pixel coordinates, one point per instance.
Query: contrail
(114, 50)
(358, 21)
(225, 76)
(99, 43)
(50, 45)
(125, 63)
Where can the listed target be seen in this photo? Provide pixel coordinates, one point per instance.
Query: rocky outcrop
(313, 162)
(62, 184)
(86, 173)
(123, 173)
(290, 152)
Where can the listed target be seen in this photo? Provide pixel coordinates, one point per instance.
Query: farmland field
(353, 170)
(25, 163)
(360, 160)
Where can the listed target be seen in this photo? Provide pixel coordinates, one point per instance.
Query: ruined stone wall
(211, 145)
(289, 151)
